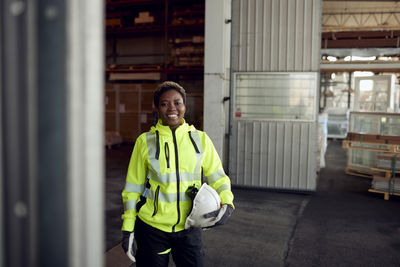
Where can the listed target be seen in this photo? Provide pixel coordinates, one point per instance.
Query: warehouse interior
(300, 98)
(325, 223)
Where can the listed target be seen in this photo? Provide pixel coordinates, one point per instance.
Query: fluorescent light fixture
(363, 74)
(330, 58)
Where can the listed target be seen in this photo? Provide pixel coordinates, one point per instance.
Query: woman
(166, 163)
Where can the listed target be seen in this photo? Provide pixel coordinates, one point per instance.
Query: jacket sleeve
(135, 180)
(214, 172)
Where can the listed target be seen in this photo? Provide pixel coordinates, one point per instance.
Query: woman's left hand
(221, 215)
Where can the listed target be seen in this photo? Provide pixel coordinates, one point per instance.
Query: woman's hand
(221, 215)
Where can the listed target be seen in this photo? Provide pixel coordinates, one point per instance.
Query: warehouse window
(286, 96)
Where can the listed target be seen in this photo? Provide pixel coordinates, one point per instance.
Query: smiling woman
(170, 104)
(166, 164)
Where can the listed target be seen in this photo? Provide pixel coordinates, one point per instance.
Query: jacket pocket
(156, 200)
(166, 151)
(143, 196)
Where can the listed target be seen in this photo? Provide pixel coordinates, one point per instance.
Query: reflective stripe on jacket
(171, 162)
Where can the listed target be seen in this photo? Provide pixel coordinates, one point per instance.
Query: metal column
(18, 134)
(51, 139)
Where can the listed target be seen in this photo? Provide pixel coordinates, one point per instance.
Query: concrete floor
(341, 224)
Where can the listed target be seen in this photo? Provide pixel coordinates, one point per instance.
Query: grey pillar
(51, 138)
(18, 136)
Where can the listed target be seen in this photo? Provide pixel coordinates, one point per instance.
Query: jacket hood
(165, 130)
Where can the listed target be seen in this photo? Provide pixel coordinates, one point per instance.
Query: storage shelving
(173, 22)
(148, 42)
(129, 108)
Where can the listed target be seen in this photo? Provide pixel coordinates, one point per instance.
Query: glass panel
(380, 107)
(374, 93)
(364, 158)
(381, 85)
(371, 123)
(390, 125)
(363, 124)
(276, 96)
(366, 92)
(367, 106)
(337, 128)
(381, 123)
(381, 96)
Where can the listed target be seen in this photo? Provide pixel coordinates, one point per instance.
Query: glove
(221, 215)
(129, 244)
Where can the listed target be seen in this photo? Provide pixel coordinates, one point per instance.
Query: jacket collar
(165, 130)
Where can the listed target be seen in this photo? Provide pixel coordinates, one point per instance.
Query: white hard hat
(206, 201)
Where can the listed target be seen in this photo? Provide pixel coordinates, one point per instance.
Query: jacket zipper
(177, 180)
(156, 201)
(166, 150)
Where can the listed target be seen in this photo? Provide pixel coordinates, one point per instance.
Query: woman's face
(171, 108)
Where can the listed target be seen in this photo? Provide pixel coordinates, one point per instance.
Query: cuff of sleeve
(227, 198)
(128, 224)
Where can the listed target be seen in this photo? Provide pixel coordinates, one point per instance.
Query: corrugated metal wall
(275, 36)
(274, 154)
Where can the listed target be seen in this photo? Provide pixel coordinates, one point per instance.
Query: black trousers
(154, 246)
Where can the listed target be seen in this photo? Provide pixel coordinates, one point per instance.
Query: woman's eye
(164, 104)
(177, 103)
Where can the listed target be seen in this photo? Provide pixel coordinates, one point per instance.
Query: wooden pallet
(386, 173)
(390, 143)
(373, 138)
(386, 195)
(359, 172)
(389, 156)
(393, 148)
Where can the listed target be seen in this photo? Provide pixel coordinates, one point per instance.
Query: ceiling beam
(360, 39)
(362, 43)
(361, 34)
(360, 66)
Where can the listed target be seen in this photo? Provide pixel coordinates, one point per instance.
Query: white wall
(216, 70)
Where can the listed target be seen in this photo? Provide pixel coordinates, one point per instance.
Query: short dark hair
(166, 86)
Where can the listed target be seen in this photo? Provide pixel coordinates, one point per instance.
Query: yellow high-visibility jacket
(163, 165)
